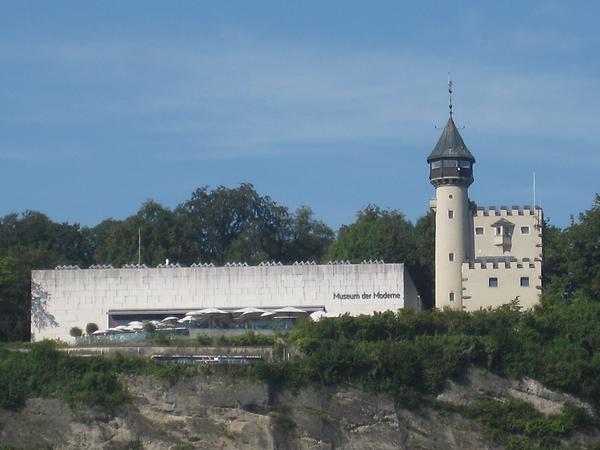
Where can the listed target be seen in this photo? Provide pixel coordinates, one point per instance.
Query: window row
(493, 282)
(501, 231)
(462, 163)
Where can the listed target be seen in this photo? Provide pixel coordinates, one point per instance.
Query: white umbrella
(267, 314)
(99, 332)
(136, 326)
(249, 310)
(210, 311)
(122, 328)
(170, 319)
(136, 323)
(290, 310)
(186, 319)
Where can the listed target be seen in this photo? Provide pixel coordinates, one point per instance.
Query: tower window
(524, 230)
(450, 163)
(493, 282)
(450, 214)
(524, 282)
(451, 296)
(479, 230)
(450, 257)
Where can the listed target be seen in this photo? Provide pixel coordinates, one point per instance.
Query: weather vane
(450, 84)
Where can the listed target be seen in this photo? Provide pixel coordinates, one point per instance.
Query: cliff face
(209, 412)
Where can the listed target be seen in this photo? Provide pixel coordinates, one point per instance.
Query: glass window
(498, 231)
(450, 257)
(450, 214)
(493, 282)
(451, 296)
(436, 164)
(450, 163)
(479, 230)
(524, 281)
(464, 164)
(524, 230)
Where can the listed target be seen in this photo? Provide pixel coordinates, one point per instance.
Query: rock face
(212, 412)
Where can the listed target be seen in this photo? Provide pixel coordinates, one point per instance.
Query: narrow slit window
(451, 296)
(450, 214)
(450, 257)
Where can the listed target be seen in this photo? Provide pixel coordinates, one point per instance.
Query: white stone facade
(62, 299)
(507, 259)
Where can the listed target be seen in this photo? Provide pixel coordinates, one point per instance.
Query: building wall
(452, 243)
(62, 299)
(478, 294)
(518, 245)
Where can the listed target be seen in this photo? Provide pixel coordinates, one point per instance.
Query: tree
(310, 238)
(32, 241)
(76, 332)
(233, 223)
(572, 257)
(90, 328)
(376, 234)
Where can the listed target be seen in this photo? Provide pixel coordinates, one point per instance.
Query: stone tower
(451, 172)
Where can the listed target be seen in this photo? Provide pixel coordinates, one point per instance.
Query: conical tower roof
(450, 145)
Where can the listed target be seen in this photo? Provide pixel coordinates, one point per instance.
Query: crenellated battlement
(503, 263)
(503, 210)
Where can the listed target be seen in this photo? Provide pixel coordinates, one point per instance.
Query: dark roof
(450, 145)
(502, 221)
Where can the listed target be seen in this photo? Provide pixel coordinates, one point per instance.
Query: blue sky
(333, 105)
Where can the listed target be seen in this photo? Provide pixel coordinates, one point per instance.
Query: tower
(451, 172)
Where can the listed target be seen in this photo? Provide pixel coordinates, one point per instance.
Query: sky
(328, 104)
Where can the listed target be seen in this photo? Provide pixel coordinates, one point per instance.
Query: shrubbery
(47, 372)
(412, 353)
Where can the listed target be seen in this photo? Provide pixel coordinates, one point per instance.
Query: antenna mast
(450, 84)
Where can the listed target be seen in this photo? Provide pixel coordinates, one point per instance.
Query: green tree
(572, 257)
(90, 328)
(310, 238)
(234, 223)
(76, 332)
(376, 234)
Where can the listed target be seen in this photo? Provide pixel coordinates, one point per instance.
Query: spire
(450, 145)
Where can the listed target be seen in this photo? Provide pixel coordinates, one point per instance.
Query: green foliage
(410, 354)
(91, 328)
(149, 327)
(46, 372)
(76, 332)
(572, 257)
(518, 425)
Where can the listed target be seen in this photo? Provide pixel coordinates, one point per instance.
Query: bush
(46, 372)
(76, 332)
(90, 328)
